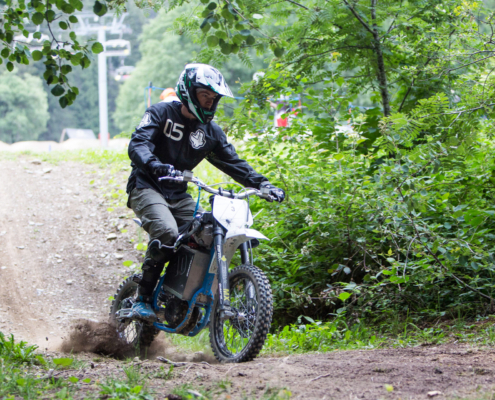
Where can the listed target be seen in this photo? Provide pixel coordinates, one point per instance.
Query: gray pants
(161, 218)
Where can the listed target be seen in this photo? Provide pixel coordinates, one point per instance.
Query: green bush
(395, 216)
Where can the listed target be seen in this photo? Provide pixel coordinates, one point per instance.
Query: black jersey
(165, 135)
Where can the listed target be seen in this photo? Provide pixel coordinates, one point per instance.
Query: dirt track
(57, 266)
(56, 263)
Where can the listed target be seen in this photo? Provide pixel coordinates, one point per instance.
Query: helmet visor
(211, 78)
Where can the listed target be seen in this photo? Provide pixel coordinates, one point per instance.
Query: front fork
(223, 274)
(244, 253)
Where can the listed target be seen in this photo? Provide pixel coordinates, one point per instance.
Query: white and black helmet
(201, 76)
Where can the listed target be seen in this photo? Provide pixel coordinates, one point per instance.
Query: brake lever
(265, 194)
(171, 178)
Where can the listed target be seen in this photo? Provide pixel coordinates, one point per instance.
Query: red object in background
(284, 122)
(99, 136)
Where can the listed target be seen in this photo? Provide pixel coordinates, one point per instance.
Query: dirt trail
(58, 266)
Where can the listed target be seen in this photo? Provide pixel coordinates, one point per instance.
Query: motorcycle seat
(182, 228)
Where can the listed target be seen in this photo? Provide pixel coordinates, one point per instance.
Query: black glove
(159, 169)
(276, 192)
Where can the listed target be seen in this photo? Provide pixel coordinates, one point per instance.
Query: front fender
(245, 232)
(236, 237)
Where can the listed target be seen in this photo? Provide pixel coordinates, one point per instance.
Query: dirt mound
(96, 337)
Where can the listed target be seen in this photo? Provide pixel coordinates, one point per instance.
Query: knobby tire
(262, 323)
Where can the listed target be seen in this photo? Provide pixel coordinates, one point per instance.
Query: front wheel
(241, 337)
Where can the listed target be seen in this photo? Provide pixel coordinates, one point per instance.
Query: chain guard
(191, 323)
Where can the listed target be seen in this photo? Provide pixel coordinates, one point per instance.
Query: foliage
(23, 107)
(45, 32)
(18, 23)
(396, 51)
(164, 55)
(84, 113)
(390, 207)
(407, 224)
(165, 51)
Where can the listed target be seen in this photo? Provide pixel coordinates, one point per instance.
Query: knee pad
(158, 252)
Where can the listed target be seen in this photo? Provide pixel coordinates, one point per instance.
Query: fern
(246, 59)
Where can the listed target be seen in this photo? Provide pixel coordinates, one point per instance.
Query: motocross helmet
(201, 76)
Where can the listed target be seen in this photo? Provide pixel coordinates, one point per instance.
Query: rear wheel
(241, 337)
(132, 332)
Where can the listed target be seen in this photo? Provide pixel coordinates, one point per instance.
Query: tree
(164, 55)
(397, 212)
(23, 107)
(18, 19)
(398, 50)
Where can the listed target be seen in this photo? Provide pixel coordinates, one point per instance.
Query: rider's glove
(276, 192)
(159, 169)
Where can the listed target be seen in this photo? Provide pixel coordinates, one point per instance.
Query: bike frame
(226, 242)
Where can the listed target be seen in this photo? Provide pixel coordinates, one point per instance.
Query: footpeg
(124, 313)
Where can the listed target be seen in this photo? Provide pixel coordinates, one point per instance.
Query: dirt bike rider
(178, 136)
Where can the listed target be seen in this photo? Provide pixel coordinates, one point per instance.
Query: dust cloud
(87, 336)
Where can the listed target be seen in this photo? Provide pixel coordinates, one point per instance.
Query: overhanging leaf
(58, 90)
(100, 9)
(212, 41)
(97, 48)
(37, 55)
(37, 18)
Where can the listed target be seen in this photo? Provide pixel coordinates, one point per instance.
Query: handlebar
(187, 176)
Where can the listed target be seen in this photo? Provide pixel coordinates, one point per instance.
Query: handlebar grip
(176, 174)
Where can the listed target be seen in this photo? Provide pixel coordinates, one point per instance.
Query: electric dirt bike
(197, 288)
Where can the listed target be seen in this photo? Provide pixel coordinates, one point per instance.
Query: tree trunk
(381, 74)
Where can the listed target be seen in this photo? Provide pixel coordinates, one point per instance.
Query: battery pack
(186, 272)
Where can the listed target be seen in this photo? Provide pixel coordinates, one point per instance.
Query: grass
(114, 389)
(26, 374)
(22, 369)
(338, 335)
(200, 342)
(222, 390)
(102, 158)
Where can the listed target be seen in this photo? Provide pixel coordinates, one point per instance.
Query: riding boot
(143, 308)
(151, 273)
(156, 257)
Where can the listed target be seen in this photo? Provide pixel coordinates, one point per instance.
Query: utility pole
(88, 24)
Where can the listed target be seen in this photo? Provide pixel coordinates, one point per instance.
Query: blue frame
(205, 289)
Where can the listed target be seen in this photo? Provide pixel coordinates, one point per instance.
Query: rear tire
(132, 332)
(241, 338)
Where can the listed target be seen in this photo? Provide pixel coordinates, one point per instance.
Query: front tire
(241, 337)
(137, 334)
